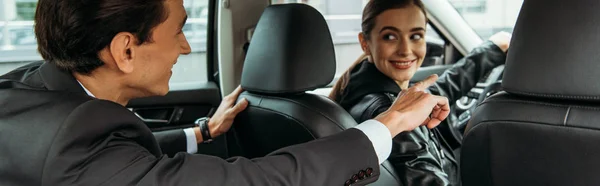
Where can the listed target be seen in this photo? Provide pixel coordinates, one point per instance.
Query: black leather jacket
(423, 156)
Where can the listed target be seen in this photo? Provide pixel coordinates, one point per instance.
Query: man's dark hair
(71, 33)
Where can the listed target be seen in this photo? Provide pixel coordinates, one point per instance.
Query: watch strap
(204, 130)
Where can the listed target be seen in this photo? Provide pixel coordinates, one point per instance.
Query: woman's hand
(502, 40)
(414, 107)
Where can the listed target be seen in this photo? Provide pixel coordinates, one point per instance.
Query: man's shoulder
(39, 103)
(75, 107)
(56, 106)
(103, 109)
(102, 117)
(26, 76)
(24, 94)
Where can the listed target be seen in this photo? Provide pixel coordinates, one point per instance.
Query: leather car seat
(291, 52)
(545, 128)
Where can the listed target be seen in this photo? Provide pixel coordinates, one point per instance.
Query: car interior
(528, 122)
(281, 113)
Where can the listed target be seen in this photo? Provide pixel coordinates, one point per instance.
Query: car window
(487, 17)
(344, 20)
(18, 42)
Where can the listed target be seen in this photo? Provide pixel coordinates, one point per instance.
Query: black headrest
(291, 51)
(555, 50)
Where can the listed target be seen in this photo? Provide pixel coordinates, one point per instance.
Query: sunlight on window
(487, 17)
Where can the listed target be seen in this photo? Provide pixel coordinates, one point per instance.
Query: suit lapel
(59, 80)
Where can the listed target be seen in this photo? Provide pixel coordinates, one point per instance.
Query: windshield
(487, 17)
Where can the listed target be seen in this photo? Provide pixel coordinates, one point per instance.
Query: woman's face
(397, 43)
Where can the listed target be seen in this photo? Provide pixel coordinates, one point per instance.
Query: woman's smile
(402, 64)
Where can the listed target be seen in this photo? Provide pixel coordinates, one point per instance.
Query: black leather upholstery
(273, 122)
(543, 130)
(291, 52)
(516, 140)
(555, 50)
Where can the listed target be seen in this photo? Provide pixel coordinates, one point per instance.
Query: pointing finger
(427, 82)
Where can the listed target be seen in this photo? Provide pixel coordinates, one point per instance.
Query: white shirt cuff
(380, 136)
(192, 146)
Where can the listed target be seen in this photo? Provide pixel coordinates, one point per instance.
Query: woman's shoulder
(365, 80)
(371, 105)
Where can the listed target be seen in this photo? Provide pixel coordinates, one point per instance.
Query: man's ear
(362, 38)
(122, 49)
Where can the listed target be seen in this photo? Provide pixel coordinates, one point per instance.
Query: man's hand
(222, 120)
(502, 40)
(414, 107)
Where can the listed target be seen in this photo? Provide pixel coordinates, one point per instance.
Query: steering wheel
(490, 85)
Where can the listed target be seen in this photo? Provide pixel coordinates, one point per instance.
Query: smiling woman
(396, 44)
(393, 41)
(396, 53)
(344, 21)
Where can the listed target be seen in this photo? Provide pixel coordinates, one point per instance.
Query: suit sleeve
(95, 149)
(171, 141)
(413, 156)
(458, 80)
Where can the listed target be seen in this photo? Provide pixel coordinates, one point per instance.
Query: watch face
(200, 120)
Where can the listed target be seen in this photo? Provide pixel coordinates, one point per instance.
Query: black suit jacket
(170, 141)
(52, 133)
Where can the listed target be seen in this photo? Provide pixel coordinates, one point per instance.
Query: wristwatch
(202, 123)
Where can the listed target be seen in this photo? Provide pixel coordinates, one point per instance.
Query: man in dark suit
(63, 121)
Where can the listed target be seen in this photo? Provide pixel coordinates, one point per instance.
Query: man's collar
(59, 80)
(86, 90)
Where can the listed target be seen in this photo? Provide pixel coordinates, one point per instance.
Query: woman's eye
(389, 37)
(416, 37)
